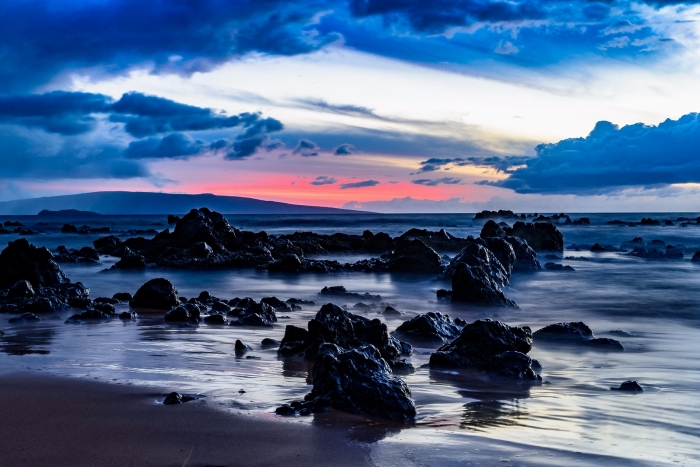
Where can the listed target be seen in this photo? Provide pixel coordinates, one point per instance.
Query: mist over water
(463, 419)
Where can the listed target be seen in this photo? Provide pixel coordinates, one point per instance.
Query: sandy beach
(54, 421)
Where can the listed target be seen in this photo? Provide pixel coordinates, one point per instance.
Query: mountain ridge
(144, 202)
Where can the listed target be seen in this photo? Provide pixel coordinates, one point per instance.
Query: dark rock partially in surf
(268, 343)
(476, 255)
(69, 228)
(157, 293)
(340, 291)
(629, 386)
(360, 381)
(184, 313)
(495, 215)
(575, 333)
(173, 219)
(431, 326)
(20, 290)
(472, 284)
(492, 347)
(558, 267)
(347, 330)
(90, 315)
(215, 319)
(582, 221)
(133, 261)
(257, 314)
(24, 318)
(540, 236)
(176, 398)
(22, 261)
(414, 256)
(441, 240)
(122, 296)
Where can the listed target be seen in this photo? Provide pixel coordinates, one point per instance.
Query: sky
(382, 105)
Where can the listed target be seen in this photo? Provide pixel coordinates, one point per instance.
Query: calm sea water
(573, 418)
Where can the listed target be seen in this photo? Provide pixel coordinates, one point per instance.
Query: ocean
(573, 418)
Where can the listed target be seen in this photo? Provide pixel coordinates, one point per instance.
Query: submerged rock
(575, 333)
(492, 347)
(360, 381)
(24, 318)
(176, 398)
(630, 386)
(157, 293)
(340, 291)
(431, 326)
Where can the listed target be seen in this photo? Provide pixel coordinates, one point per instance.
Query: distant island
(127, 202)
(67, 213)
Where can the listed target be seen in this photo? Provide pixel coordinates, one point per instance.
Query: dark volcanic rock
(472, 284)
(122, 296)
(557, 267)
(347, 330)
(491, 230)
(414, 256)
(503, 251)
(492, 347)
(175, 398)
(21, 289)
(431, 326)
(22, 261)
(541, 236)
(496, 215)
(127, 315)
(360, 381)
(130, 262)
(107, 245)
(696, 257)
(598, 248)
(525, 257)
(69, 228)
(673, 253)
(185, 313)
(575, 333)
(477, 255)
(631, 386)
(157, 293)
(173, 219)
(267, 343)
(257, 314)
(340, 291)
(24, 318)
(441, 240)
(215, 319)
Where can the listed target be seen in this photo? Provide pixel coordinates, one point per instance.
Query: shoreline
(59, 421)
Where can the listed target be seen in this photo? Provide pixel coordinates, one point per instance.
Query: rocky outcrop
(340, 291)
(159, 294)
(334, 325)
(540, 236)
(256, 314)
(629, 386)
(22, 261)
(414, 256)
(431, 326)
(360, 381)
(492, 347)
(184, 313)
(523, 257)
(441, 240)
(575, 333)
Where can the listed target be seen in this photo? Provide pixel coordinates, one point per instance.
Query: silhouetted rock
(340, 291)
(127, 315)
(630, 386)
(525, 257)
(575, 333)
(157, 293)
(21, 289)
(184, 313)
(360, 381)
(582, 221)
(22, 261)
(491, 230)
(540, 237)
(673, 253)
(175, 398)
(215, 319)
(431, 326)
(173, 219)
(649, 221)
(495, 215)
(268, 343)
(414, 256)
(257, 314)
(240, 348)
(492, 347)
(558, 267)
(598, 248)
(441, 240)
(472, 284)
(24, 318)
(69, 228)
(130, 262)
(122, 296)
(477, 255)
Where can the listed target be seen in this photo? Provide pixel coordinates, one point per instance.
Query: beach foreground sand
(54, 421)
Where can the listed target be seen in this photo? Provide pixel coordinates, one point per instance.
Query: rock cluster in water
(575, 333)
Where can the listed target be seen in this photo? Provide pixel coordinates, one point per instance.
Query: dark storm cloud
(39, 40)
(436, 181)
(500, 163)
(362, 184)
(54, 135)
(611, 158)
(323, 180)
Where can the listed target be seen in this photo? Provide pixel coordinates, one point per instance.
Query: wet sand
(53, 421)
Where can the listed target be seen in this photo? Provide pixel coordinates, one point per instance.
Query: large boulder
(360, 381)
(492, 347)
(525, 257)
(491, 230)
(22, 261)
(472, 284)
(431, 326)
(159, 294)
(541, 236)
(203, 225)
(414, 256)
(333, 324)
(477, 255)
